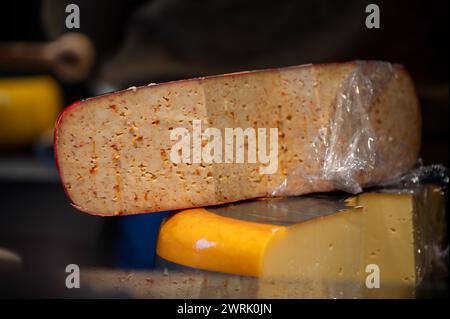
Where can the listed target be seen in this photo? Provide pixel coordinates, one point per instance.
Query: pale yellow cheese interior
(327, 257)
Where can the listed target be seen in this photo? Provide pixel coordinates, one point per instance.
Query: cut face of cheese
(389, 243)
(114, 151)
(345, 254)
(315, 258)
(329, 256)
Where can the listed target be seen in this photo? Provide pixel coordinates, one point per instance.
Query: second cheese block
(323, 254)
(340, 126)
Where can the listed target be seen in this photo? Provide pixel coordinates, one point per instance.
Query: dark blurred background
(45, 66)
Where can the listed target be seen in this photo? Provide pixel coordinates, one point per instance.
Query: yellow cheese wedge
(371, 249)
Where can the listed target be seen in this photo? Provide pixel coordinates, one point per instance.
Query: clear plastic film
(351, 124)
(430, 207)
(348, 151)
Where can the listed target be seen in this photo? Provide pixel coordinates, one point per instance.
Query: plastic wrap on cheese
(349, 148)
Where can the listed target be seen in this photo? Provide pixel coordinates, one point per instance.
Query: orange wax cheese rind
(222, 245)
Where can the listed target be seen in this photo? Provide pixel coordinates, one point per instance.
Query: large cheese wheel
(342, 125)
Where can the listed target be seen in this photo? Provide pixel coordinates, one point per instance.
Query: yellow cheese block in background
(28, 107)
(325, 256)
